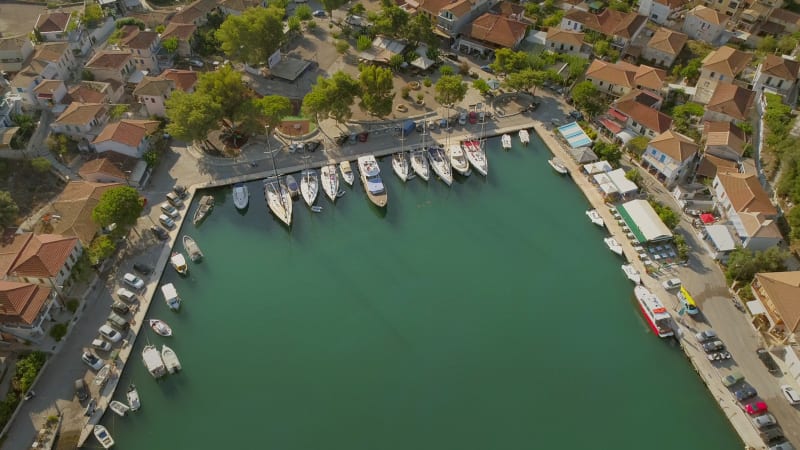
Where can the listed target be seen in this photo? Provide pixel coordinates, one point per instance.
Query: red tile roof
(40, 256)
(52, 22)
(127, 131)
(21, 303)
(498, 30)
(650, 118)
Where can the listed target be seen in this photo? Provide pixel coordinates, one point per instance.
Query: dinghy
(160, 327)
(119, 408)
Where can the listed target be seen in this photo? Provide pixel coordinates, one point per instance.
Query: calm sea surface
(486, 316)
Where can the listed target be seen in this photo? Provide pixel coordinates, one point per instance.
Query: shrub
(404, 91)
(427, 82)
(58, 331)
(446, 70)
(72, 305)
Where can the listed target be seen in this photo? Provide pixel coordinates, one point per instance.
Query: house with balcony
(44, 259)
(789, 20)
(724, 140)
(25, 309)
(660, 11)
(184, 34)
(54, 60)
(620, 27)
(621, 78)
(669, 155)
(705, 24)
(730, 103)
(565, 41)
(663, 47)
(153, 92)
(196, 13)
(62, 26)
(111, 65)
(494, 31)
(23, 84)
(779, 296)
(641, 118)
(723, 65)
(81, 120)
(50, 93)
(143, 47)
(70, 214)
(14, 52)
(777, 75)
(741, 199)
(127, 137)
(726, 7)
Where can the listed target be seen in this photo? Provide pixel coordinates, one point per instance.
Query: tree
(226, 88)
(303, 12)
(294, 24)
(330, 5)
(482, 86)
(40, 165)
(419, 30)
(692, 69)
(357, 9)
(129, 21)
(608, 152)
(390, 21)
(253, 36)
(273, 108)
(450, 90)
(576, 65)
(446, 70)
(744, 264)
(92, 14)
(633, 175)
(396, 61)
(27, 369)
(170, 44)
(101, 248)
(666, 214)
(363, 43)
(192, 116)
(787, 44)
(160, 29)
(376, 90)
(342, 46)
(525, 79)
(26, 125)
(8, 209)
(638, 144)
(332, 97)
(58, 144)
(586, 97)
(117, 111)
(120, 205)
(768, 44)
(508, 61)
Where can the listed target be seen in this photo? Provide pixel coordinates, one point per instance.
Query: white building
(669, 155)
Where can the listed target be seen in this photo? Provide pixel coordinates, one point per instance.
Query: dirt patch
(30, 189)
(68, 440)
(295, 127)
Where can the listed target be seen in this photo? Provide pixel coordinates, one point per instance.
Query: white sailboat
(613, 245)
(440, 164)
(594, 216)
(241, 196)
(476, 155)
(524, 137)
(400, 165)
(279, 200)
(170, 359)
(133, 398)
(420, 164)
(347, 172)
(330, 181)
(309, 186)
(458, 160)
(632, 273)
(506, 141)
(371, 179)
(105, 439)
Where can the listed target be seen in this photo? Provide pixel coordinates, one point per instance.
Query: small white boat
(133, 398)
(330, 181)
(152, 361)
(171, 297)
(347, 172)
(613, 245)
(170, 359)
(241, 196)
(400, 165)
(205, 207)
(119, 408)
(632, 273)
(476, 155)
(292, 186)
(558, 166)
(524, 137)
(594, 216)
(192, 249)
(105, 439)
(420, 164)
(279, 200)
(160, 327)
(506, 141)
(458, 160)
(440, 164)
(371, 179)
(102, 375)
(179, 263)
(309, 186)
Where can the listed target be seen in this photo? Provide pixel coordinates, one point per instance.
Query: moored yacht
(170, 359)
(153, 362)
(594, 216)
(371, 179)
(476, 155)
(632, 273)
(506, 141)
(655, 313)
(613, 245)
(241, 196)
(558, 166)
(279, 200)
(330, 181)
(458, 160)
(420, 164)
(524, 136)
(400, 165)
(171, 296)
(179, 263)
(309, 186)
(440, 164)
(347, 172)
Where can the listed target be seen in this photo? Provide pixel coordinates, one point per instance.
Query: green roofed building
(643, 221)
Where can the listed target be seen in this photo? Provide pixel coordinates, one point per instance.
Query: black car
(768, 361)
(120, 308)
(80, 390)
(160, 233)
(451, 56)
(143, 269)
(745, 393)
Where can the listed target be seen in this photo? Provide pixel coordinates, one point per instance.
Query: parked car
(179, 190)
(746, 392)
(713, 346)
(318, 13)
(120, 308)
(169, 210)
(765, 421)
(462, 118)
(487, 69)
(705, 336)
(109, 333)
(785, 445)
(166, 222)
(126, 295)
(732, 378)
(80, 390)
(672, 283)
(117, 321)
(100, 344)
(159, 233)
(174, 200)
(768, 361)
(143, 269)
(755, 408)
(196, 62)
(92, 360)
(577, 115)
(773, 434)
(791, 395)
(451, 56)
(133, 281)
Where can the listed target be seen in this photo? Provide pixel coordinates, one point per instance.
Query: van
(117, 321)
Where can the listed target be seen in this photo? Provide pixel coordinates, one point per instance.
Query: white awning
(626, 135)
(597, 167)
(721, 238)
(623, 184)
(643, 221)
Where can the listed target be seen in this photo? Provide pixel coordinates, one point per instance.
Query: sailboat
(279, 200)
(309, 186)
(347, 172)
(371, 179)
(400, 165)
(440, 164)
(330, 181)
(476, 156)
(418, 160)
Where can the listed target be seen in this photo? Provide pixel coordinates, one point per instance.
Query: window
(780, 82)
(571, 47)
(769, 80)
(662, 158)
(552, 45)
(152, 100)
(653, 152)
(600, 83)
(712, 74)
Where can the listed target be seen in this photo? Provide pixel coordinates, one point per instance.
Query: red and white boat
(476, 155)
(658, 318)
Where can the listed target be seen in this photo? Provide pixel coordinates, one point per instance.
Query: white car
(672, 283)
(92, 360)
(110, 334)
(790, 394)
(100, 344)
(126, 295)
(133, 281)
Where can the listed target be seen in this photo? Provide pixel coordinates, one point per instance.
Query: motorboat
(133, 398)
(330, 181)
(153, 362)
(506, 141)
(655, 313)
(613, 245)
(316, 209)
(102, 375)
(458, 160)
(160, 327)
(170, 359)
(594, 216)
(371, 179)
(632, 273)
(279, 200)
(524, 137)
(347, 172)
(400, 165)
(440, 164)
(119, 408)
(309, 186)
(476, 155)
(202, 211)
(420, 164)
(179, 263)
(292, 186)
(241, 196)
(558, 166)
(105, 439)
(171, 297)
(192, 249)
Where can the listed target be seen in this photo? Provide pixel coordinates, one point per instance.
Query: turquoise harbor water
(488, 315)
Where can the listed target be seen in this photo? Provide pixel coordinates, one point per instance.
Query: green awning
(637, 233)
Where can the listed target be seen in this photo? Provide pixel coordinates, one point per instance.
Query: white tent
(643, 221)
(721, 238)
(623, 184)
(597, 167)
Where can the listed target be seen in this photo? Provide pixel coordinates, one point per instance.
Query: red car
(473, 117)
(756, 408)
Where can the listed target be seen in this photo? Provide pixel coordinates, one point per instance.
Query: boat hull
(441, 167)
(241, 196)
(652, 324)
(330, 182)
(347, 172)
(420, 165)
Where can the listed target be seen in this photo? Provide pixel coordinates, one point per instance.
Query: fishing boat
(420, 164)
(179, 263)
(440, 164)
(655, 313)
(632, 273)
(476, 155)
(279, 200)
(102, 375)
(594, 216)
(400, 165)
(152, 361)
(241, 196)
(347, 172)
(170, 359)
(292, 186)
(202, 211)
(371, 179)
(330, 181)
(506, 141)
(613, 245)
(133, 398)
(524, 137)
(192, 249)
(171, 297)
(558, 166)
(160, 327)
(458, 160)
(105, 439)
(119, 408)
(309, 186)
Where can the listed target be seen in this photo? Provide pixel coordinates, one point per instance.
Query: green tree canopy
(420, 30)
(303, 12)
(121, 205)
(226, 88)
(482, 86)
(363, 43)
(92, 14)
(341, 46)
(40, 165)
(608, 152)
(8, 209)
(376, 90)
(744, 264)
(638, 144)
(525, 79)
(253, 36)
(101, 248)
(192, 116)
(508, 61)
(666, 214)
(330, 5)
(332, 97)
(586, 97)
(450, 90)
(170, 44)
(391, 20)
(273, 108)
